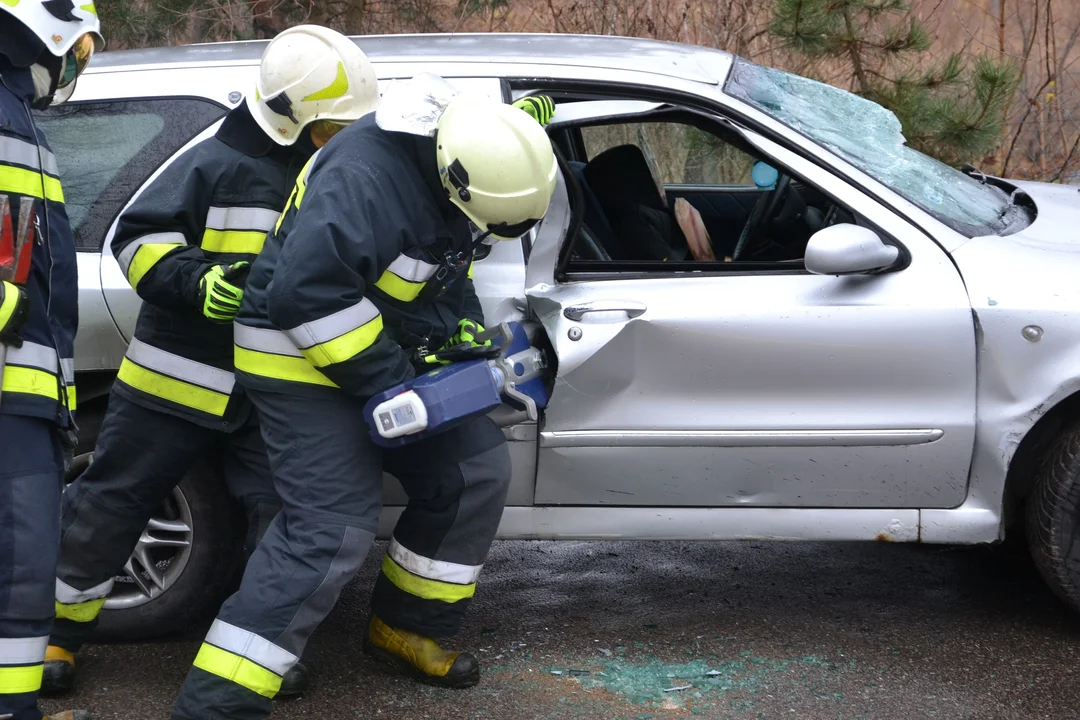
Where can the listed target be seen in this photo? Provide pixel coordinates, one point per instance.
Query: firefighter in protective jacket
(44, 47)
(370, 263)
(185, 245)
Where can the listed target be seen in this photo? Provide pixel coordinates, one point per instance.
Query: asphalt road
(756, 630)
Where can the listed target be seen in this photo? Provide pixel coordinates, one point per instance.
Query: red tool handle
(16, 250)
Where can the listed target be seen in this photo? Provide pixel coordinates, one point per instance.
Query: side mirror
(848, 249)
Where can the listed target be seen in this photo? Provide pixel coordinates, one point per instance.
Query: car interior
(635, 216)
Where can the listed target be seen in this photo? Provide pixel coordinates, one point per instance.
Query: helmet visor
(75, 60)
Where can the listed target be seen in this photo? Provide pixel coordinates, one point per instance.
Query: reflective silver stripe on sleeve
(181, 368)
(67, 595)
(433, 569)
(249, 645)
(33, 355)
(241, 218)
(264, 340)
(411, 269)
(19, 152)
(126, 255)
(22, 651)
(68, 366)
(332, 326)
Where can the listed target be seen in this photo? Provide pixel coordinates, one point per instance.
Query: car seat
(644, 227)
(595, 226)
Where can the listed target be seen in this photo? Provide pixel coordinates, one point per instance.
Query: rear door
(726, 385)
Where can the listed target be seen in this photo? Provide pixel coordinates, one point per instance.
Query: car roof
(599, 51)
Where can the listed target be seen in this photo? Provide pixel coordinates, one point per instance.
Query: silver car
(884, 348)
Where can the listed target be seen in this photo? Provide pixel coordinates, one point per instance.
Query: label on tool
(401, 415)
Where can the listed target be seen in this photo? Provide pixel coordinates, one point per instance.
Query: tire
(199, 582)
(1053, 518)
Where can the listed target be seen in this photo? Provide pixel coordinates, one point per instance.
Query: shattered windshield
(869, 137)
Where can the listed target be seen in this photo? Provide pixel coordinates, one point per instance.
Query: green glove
(465, 337)
(219, 296)
(540, 107)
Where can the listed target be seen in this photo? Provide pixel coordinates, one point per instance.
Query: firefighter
(185, 245)
(367, 268)
(44, 47)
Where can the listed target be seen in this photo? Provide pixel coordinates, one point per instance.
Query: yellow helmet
(311, 73)
(496, 163)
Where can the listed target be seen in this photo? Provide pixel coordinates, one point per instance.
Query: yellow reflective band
(470, 270)
(28, 182)
(345, 347)
(30, 381)
(71, 399)
(145, 258)
(7, 307)
(288, 204)
(177, 391)
(422, 587)
(279, 367)
(233, 241)
(334, 90)
(301, 181)
(21, 679)
(397, 288)
(238, 669)
(80, 612)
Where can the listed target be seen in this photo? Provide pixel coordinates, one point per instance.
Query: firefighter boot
(59, 674)
(294, 682)
(70, 715)
(420, 656)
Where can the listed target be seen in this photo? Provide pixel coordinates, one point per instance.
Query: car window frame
(138, 179)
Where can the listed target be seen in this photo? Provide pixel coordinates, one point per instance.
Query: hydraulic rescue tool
(16, 250)
(478, 379)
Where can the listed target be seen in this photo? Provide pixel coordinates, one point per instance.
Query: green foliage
(129, 24)
(947, 109)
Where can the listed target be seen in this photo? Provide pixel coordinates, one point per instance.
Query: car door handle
(630, 307)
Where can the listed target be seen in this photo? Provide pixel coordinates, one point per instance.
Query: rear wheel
(1053, 518)
(181, 568)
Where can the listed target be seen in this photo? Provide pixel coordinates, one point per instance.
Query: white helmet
(496, 164)
(70, 32)
(311, 73)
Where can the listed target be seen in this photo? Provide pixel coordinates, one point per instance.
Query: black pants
(30, 482)
(329, 476)
(140, 457)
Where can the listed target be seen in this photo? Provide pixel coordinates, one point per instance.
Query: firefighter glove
(462, 345)
(14, 307)
(220, 291)
(540, 107)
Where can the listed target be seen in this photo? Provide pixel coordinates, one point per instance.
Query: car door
(718, 385)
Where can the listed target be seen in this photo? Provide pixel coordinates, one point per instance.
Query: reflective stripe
(20, 152)
(33, 355)
(433, 569)
(241, 218)
(68, 365)
(68, 595)
(422, 587)
(405, 277)
(143, 253)
(31, 381)
(279, 367)
(338, 337)
(7, 306)
(180, 368)
(79, 612)
(21, 181)
(264, 340)
(302, 181)
(233, 241)
(237, 669)
(23, 651)
(470, 270)
(72, 401)
(17, 680)
(177, 391)
(251, 646)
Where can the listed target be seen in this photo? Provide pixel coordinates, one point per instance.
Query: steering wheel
(767, 206)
